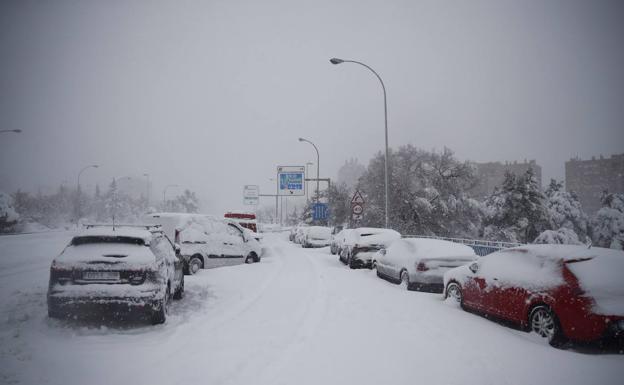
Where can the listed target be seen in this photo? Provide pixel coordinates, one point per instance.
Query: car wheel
(195, 264)
(545, 324)
(250, 258)
(453, 290)
(52, 313)
(405, 283)
(179, 294)
(159, 315)
(351, 261)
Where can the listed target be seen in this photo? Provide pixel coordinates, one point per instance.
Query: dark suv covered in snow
(110, 270)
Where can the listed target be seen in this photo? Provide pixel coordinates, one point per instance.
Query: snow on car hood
(108, 253)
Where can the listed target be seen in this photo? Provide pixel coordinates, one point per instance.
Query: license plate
(100, 275)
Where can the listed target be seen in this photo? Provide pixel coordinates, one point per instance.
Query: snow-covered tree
(426, 193)
(516, 212)
(350, 173)
(187, 202)
(565, 212)
(608, 223)
(339, 200)
(8, 216)
(563, 236)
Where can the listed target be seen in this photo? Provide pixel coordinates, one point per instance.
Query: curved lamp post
(147, 198)
(339, 61)
(306, 183)
(317, 166)
(78, 213)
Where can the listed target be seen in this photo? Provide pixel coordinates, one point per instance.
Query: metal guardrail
(481, 247)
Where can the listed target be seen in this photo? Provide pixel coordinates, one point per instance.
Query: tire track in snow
(310, 320)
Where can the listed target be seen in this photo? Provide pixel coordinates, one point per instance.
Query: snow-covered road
(298, 317)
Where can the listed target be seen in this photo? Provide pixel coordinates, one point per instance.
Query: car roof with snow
(432, 248)
(564, 252)
(138, 232)
(319, 232)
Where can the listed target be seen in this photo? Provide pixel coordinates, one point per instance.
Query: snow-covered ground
(298, 317)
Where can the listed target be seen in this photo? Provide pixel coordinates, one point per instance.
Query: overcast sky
(212, 95)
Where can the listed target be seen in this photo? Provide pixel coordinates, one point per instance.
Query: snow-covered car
(300, 233)
(116, 269)
(560, 292)
(316, 236)
(208, 242)
(361, 244)
(420, 263)
(337, 240)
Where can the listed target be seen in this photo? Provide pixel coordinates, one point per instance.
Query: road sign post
(251, 194)
(320, 211)
(290, 180)
(357, 206)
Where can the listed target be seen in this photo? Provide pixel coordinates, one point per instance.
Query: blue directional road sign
(320, 211)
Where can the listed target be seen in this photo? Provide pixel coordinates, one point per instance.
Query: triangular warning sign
(357, 199)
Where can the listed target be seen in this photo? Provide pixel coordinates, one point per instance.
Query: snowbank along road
(297, 317)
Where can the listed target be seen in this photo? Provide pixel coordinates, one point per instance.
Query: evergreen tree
(608, 223)
(517, 211)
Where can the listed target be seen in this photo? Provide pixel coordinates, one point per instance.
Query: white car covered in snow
(208, 242)
(420, 263)
(316, 236)
(338, 240)
(362, 243)
(115, 270)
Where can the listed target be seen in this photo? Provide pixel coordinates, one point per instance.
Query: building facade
(492, 174)
(589, 178)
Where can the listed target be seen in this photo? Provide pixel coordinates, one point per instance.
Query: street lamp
(317, 166)
(147, 198)
(306, 183)
(339, 61)
(165, 193)
(78, 213)
(16, 131)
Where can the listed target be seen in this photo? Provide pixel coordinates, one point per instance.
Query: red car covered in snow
(560, 292)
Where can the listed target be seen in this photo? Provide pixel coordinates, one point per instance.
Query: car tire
(250, 259)
(544, 322)
(179, 293)
(405, 283)
(53, 313)
(453, 290)
(195, 264)
(351, 261)
(159, 315)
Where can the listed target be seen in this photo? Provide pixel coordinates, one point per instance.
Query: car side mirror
(177, 249)
(474, 267)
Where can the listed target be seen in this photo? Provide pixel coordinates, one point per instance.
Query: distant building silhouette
(492, 175)
(589, 178)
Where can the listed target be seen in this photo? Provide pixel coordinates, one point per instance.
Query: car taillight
(60, 275)
(421, 266)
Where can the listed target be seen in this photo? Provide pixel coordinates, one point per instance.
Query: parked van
(206, 241)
